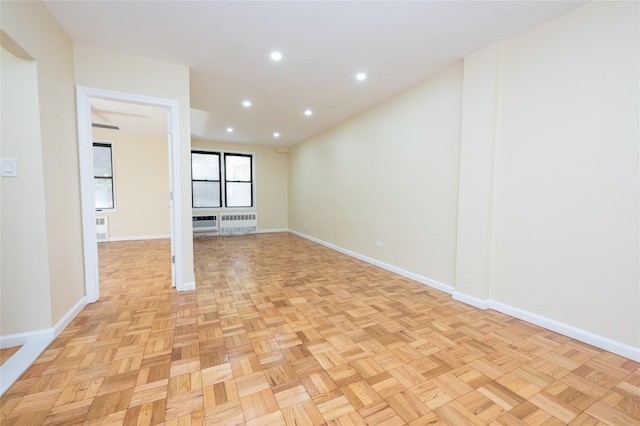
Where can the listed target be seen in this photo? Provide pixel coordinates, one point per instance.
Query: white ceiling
(129, 117)
(324, 44)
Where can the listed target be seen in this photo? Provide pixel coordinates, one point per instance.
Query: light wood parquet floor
(7, 353)
(286, 332)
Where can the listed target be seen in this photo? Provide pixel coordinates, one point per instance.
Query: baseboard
(13, 368)
(470, 300)
(69, 316)
(601, 342)
(188, 286)
(33, 344)
(270, 231)
(408, 274)
(19, 339)
(139, 237)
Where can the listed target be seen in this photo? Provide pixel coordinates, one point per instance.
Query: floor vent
(205, 225)
(102, 229)
(233, 224)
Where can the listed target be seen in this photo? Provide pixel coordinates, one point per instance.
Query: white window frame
(223, 180)
(113, 175)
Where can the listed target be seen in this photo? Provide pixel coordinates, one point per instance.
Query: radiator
(231, 224)
(205, 224)
(102, 229)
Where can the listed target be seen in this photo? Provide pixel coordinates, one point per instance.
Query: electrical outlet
(378, 244)
(306, 226)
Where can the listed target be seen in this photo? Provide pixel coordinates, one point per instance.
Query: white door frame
(83, 97)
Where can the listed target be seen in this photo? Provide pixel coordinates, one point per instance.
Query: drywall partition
(31, 26)
(389, 178)
(567, 194)
(270, 182)
(141, 177)
(109, 70)
(24, 269)
(477, 150)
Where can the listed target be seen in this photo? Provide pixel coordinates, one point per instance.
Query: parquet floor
(284, 331)
(6, 353)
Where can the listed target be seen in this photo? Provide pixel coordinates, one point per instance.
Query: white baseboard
(188, 286)
(69, 316)
(139, 237)
(19, 339)
(470, 300)
(415, 277)
(33, 344)
(13, 368)
(269, 231)
(601, 342)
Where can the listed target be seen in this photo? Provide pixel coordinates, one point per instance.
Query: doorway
(85, 97)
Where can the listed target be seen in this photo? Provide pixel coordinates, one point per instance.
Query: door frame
(83, 102)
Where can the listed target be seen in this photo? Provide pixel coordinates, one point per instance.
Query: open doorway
(103, 108)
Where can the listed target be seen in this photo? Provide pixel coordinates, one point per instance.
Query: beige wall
(388, 175)
(115, 71)
(544, 222)
(141, 177)
(24, 258)
(271, 182)
(566, 211)
(32, 27)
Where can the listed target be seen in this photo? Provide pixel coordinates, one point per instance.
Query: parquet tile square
(281, 331)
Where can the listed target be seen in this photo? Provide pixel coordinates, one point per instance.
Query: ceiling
(227, 46)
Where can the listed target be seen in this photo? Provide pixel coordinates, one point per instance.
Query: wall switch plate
(8, 167)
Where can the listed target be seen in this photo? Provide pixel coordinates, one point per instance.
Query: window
(103, 176)
(239, 182)
(221, 179)
(205, 179)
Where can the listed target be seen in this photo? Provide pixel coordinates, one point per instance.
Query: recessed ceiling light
(230, 129)
(361, 76)
(276, 135)
(308, 112)
(246, 103)
(276, 56)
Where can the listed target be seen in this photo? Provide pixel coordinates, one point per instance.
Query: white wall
(270, 182)
(566, 212)
(141, 177)
(388, 175)
(24, 265)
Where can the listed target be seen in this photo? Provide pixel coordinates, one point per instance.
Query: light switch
(8, 167)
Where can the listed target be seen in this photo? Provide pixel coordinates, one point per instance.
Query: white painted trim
(188, 286)
(83, 95)
(68, 317)
(13, 368)
(415, 277)
(270, 231)
(601, 342)
(470, 300)
(140, 237)
(19, 339)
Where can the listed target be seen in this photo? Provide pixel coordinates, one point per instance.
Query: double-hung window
(205, 179)
(222, 179)
(103, 176)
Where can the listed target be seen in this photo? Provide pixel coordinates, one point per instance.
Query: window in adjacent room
(103, 176)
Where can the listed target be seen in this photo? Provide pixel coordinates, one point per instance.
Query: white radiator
(102, 229)
(205, 224)
(245, 223)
